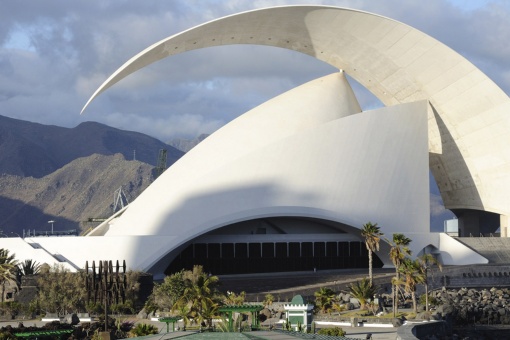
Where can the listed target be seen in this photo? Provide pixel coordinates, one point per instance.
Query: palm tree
(413, 274)
(8, 267)
(372, 234)
(209, 311)
(183, 312)
(234, 299)
(363, 291)
(426, 261)
(399, 250)
(29, 267)
(324, 298)
(199, 292)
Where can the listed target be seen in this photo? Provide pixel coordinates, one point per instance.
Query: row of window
(274, 249)
(237, 258)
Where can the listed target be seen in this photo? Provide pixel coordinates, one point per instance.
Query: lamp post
(51, 226)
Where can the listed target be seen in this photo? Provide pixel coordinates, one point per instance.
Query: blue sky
(54, 54)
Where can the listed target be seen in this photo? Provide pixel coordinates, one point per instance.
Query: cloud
(53, 56)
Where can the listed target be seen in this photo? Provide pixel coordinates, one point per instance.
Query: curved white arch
(468, 133)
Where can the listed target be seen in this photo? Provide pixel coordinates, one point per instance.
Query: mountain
(185, 145)
(36, 150)
(80, 190)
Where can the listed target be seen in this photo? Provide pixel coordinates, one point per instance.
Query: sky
(55, 54)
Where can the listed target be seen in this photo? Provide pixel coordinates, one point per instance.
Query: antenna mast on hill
(119, 200)
(161, 166)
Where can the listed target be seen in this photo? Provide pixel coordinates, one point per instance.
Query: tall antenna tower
(119, 200)
(161, 165)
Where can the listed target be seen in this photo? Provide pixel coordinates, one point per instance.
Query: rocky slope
(36, 150)
(82, 189)
(185, 145)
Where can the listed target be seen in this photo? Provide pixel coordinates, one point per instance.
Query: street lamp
(51, 226)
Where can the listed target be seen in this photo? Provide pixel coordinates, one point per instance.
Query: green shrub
(143, 329)
(432, 300)
(336, 331)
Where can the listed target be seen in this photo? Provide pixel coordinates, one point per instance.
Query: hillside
(185, 145)
(31, 149)
(82, 189)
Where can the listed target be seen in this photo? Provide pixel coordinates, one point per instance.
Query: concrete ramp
(495, 249)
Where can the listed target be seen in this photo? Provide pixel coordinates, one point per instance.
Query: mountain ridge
(33, 149)
(68, 175)
(80, 190)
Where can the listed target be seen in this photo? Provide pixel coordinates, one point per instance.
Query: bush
(143, 329)
(336, 331)
(432, 300)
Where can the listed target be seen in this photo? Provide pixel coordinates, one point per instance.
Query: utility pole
(161, 164)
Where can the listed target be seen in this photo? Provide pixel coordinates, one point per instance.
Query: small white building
(299, 312)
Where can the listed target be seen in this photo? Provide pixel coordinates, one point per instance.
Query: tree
(268, 299)
(372, 235)
(413, 274)
(61, 291)
(398, 251)
(426, 261)
(200, 293)
(363, 291)
(234, 299)
(29, 267)
(8, 267)
(165, 295)
(324, 299)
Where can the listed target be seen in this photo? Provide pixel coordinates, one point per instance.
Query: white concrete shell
(312, 153)
(299, 154)
(470, 125)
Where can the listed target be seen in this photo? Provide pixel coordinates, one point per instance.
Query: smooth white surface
(310, 152)
(454, 252)
(468, 136)
(332, 171)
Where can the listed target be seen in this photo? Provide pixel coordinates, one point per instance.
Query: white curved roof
(468, 134)
(309, 152)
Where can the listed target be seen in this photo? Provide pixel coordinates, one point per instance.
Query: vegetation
(426, 261)
(225, 326)
(165, 295)
(234, 299)
(335, 331)
(191, 295)
(363, 291)
(143, 329)
(8, 267)
(372, 235)
(398, 251)
(414, 275)
(61, 291)
(29, 267)
(268, 299)
(324, 299)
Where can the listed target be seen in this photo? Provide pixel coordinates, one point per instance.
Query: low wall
(421, 330)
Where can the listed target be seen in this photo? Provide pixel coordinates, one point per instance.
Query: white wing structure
(309, 164)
